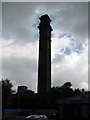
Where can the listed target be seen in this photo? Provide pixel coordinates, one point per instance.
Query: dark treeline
(29, 99)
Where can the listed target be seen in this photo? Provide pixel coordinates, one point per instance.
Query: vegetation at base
(28, 99)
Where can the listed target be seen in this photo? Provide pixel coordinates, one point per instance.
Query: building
(22, 89)
(74, 108)
(44, 65)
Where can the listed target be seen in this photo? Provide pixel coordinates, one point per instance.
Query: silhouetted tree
(83, 90)
(77, 91)
(67, 84)
(28, 99)
(6, 93)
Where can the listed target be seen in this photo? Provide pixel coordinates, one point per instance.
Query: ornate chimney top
(45, 18)
(45, 22)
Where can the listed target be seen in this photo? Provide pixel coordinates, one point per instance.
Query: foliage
(32, 100)
(67, 85)
(6, 92)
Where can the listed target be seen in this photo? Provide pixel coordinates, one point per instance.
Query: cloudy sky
(69, 42)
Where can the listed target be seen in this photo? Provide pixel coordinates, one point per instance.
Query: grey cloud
(74, 19)
(23, 71)
(17, 22)
(61, 75)
(18, 19)
(58, 58)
